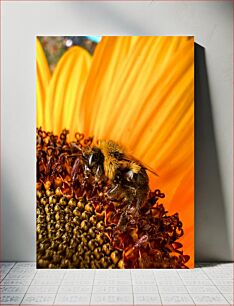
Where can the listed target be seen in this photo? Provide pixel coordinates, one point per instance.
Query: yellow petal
(109, 59)
(65, 91)
(42, 81)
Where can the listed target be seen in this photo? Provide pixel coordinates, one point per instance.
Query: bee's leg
(135, 198)
(75, 169)
(99, 172)
(142, 194)
(125, 217)
(87, 171)
(114, 192)
(123, 221)
(130, 200)
(141, 183)
(130, 194)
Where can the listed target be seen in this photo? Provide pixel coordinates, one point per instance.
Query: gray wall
(211, 24)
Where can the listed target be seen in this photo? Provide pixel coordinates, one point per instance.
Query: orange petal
(42, 81)
(109, 59)
(146, 103)
(65, 91)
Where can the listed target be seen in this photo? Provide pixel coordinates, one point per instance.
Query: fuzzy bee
(129, 182)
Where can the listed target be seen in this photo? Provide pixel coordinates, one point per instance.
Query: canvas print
(115, 152)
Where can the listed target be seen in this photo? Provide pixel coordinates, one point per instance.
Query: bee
(129, 182)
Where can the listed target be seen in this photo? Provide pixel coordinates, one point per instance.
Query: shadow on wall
(211, 233)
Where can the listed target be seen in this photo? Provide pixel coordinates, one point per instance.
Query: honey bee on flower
(106, 124)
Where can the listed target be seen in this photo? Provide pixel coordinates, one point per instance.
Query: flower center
(95, 209)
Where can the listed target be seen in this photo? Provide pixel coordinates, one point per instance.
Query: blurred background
(55, 46)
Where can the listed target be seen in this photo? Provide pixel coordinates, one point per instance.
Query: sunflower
(139, 93)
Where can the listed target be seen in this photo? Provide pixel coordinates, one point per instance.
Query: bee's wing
(146, 167)
(132, 158)
(150, 169)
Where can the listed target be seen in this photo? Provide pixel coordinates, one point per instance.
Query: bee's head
(93, 157)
